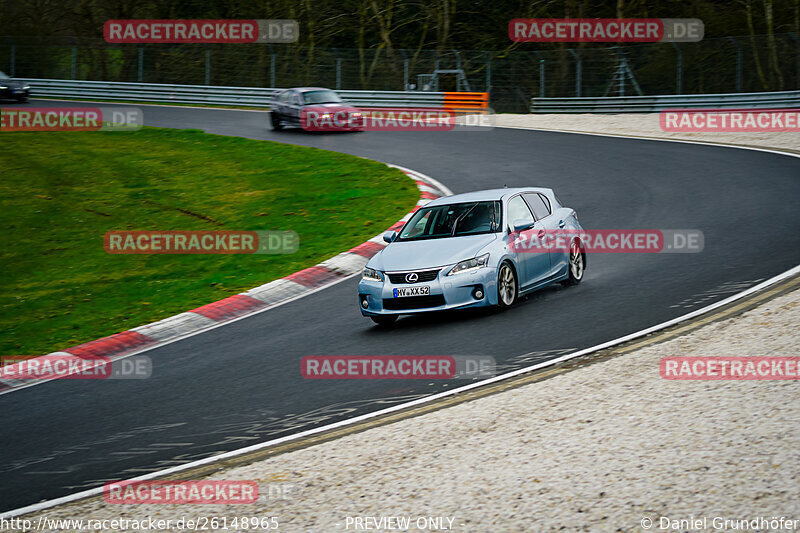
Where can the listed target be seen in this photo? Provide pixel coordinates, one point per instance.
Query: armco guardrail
(647, 104)
(238, 96)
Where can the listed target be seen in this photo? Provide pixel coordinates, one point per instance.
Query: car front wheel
(276, 121)
(577, 264)
(506, 286)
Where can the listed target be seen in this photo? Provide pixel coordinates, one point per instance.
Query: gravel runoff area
(606, 447)
(643, 125)
(599, 448)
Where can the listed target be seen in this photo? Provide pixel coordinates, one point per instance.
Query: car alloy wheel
(506, 286)
(577, 264)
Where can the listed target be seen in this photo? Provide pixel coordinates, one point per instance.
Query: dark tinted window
(540, 209)
(453, 220)
(321, 97)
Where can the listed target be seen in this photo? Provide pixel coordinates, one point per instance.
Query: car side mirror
(390, 236)
(522, 225)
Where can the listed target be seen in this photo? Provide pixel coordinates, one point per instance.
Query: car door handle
(541, 233)
(561, 224)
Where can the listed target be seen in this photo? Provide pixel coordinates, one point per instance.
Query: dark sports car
(13, 89)
(314, 109)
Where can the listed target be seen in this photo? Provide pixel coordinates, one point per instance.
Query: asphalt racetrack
(240, 384)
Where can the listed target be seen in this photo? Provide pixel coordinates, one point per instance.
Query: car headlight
(26, 87)
(371, 274)
(3, 87)
(470, 265)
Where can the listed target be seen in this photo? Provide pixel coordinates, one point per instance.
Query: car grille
(426, 275)
(413, 302)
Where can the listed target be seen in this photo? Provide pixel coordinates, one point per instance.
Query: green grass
(61, 192)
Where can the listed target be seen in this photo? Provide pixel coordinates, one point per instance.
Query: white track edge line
(425, 177)
(308, 292)
(199, 331)
(662, 139)
(776, 279)
(428, 399)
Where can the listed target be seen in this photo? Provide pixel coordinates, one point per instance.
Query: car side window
(297, 100)
(518, 210)
(536, 202)
(547, 203)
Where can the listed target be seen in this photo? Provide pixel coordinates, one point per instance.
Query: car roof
(308, 89)
(486, 195)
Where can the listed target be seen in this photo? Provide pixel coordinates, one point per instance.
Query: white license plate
(421, 290)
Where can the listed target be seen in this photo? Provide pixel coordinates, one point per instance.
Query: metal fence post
(541, 78)
(405, 69)
(738, 64)
(791, 34)
(338, 69)
(488, 72)
(271, 66)
(74, 65)
(13, 56)
(621, 66)
(541, 74)
(141, 64)
(435, 79)
(208, 65)
(679, 68)
(577, 72)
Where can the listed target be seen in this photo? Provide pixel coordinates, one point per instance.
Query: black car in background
(13, 89)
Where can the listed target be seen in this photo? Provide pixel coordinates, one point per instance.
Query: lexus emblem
(412, 277)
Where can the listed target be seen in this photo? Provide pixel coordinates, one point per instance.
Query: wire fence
(720, 65)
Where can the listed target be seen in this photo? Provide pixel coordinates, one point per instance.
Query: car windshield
(452, 220)
(4, 76)
(321, 97)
